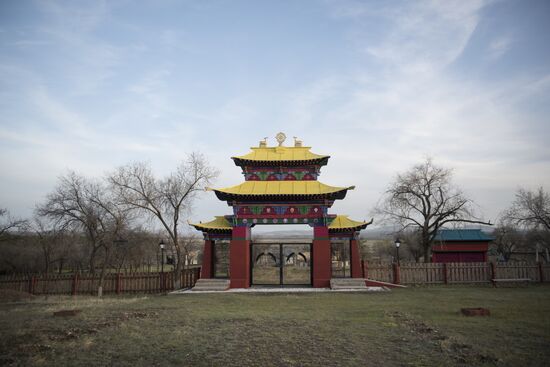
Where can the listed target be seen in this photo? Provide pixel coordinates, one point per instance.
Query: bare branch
(530, 209)
(136, 188)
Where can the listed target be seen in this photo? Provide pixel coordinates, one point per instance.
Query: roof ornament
(263, 143)
(297, 143)
(281, 137)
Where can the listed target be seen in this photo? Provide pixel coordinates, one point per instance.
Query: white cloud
(499, 47)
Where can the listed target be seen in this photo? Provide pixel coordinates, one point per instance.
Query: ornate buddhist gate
(281, 187)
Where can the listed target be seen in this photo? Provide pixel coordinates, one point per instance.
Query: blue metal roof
(462, 235)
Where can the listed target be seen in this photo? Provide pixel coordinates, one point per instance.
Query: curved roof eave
(342, 223)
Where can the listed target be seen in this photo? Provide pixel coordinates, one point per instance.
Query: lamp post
(162, 246)
(397, 244)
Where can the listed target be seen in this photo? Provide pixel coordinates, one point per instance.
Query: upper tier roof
(280, 155)
(282, 190)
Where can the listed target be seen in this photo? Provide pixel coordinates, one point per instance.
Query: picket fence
(454, 273)
(75, 284)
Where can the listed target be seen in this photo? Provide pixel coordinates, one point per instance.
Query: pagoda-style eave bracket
(280, 198)
(213, 230)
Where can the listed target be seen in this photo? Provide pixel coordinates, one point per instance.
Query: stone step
(209, 289)
(212, 281)
(211, 285)
(347, 283)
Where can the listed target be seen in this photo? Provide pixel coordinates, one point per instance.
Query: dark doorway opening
(220, 259)
(341, 259)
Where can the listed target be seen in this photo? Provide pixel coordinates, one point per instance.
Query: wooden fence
(75, 284)
(454, 273)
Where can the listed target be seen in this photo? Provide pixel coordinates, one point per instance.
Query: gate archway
(281, 187)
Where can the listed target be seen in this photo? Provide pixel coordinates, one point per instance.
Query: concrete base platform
(253, 290)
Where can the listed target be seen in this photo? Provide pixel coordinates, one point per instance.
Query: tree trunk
(178, 265)
(426, 244)
(61, 263)
(103, 271)
(92, 260)
(47, 264)
(427, 254)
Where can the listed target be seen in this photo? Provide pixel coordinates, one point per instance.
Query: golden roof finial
(281, 137)
(297, 143)
(263, 143)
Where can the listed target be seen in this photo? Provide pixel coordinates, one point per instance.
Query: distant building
(460, 245)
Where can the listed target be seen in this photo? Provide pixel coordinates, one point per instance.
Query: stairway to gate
(211, 285)
(347, 283)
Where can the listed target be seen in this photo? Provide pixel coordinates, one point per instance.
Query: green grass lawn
(415, 326)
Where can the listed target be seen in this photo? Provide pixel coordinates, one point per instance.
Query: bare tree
(191, 245)
(412, 243)
(507, 239)
(70, 206)
(114, 223)
(530, 209)
(166, 199)
(49, 236)
(8, 223)
(85, 205)
(424, 197)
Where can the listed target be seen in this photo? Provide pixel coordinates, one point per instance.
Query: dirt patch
(137, 315)
(10, 295)
(116, 319)
(417, 327)
(65, 313)
(87, 328)
(70, 333)
(462, 353)
(478, 311)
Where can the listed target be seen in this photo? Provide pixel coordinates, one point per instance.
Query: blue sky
(378, 85)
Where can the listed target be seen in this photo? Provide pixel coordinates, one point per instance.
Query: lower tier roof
(343, 223)
(219, 225)
(222, 225)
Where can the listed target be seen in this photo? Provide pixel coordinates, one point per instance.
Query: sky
(377, 85)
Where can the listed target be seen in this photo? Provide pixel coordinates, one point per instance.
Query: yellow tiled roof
(282, 188)
(220, 223)
(280, 154)
(343, 222)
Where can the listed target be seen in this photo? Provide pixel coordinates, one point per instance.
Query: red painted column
(322, 270)
(206, 267)
(356, 271)
(239, 258)
(396, 274)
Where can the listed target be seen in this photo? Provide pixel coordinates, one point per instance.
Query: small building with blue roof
(460, 245)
